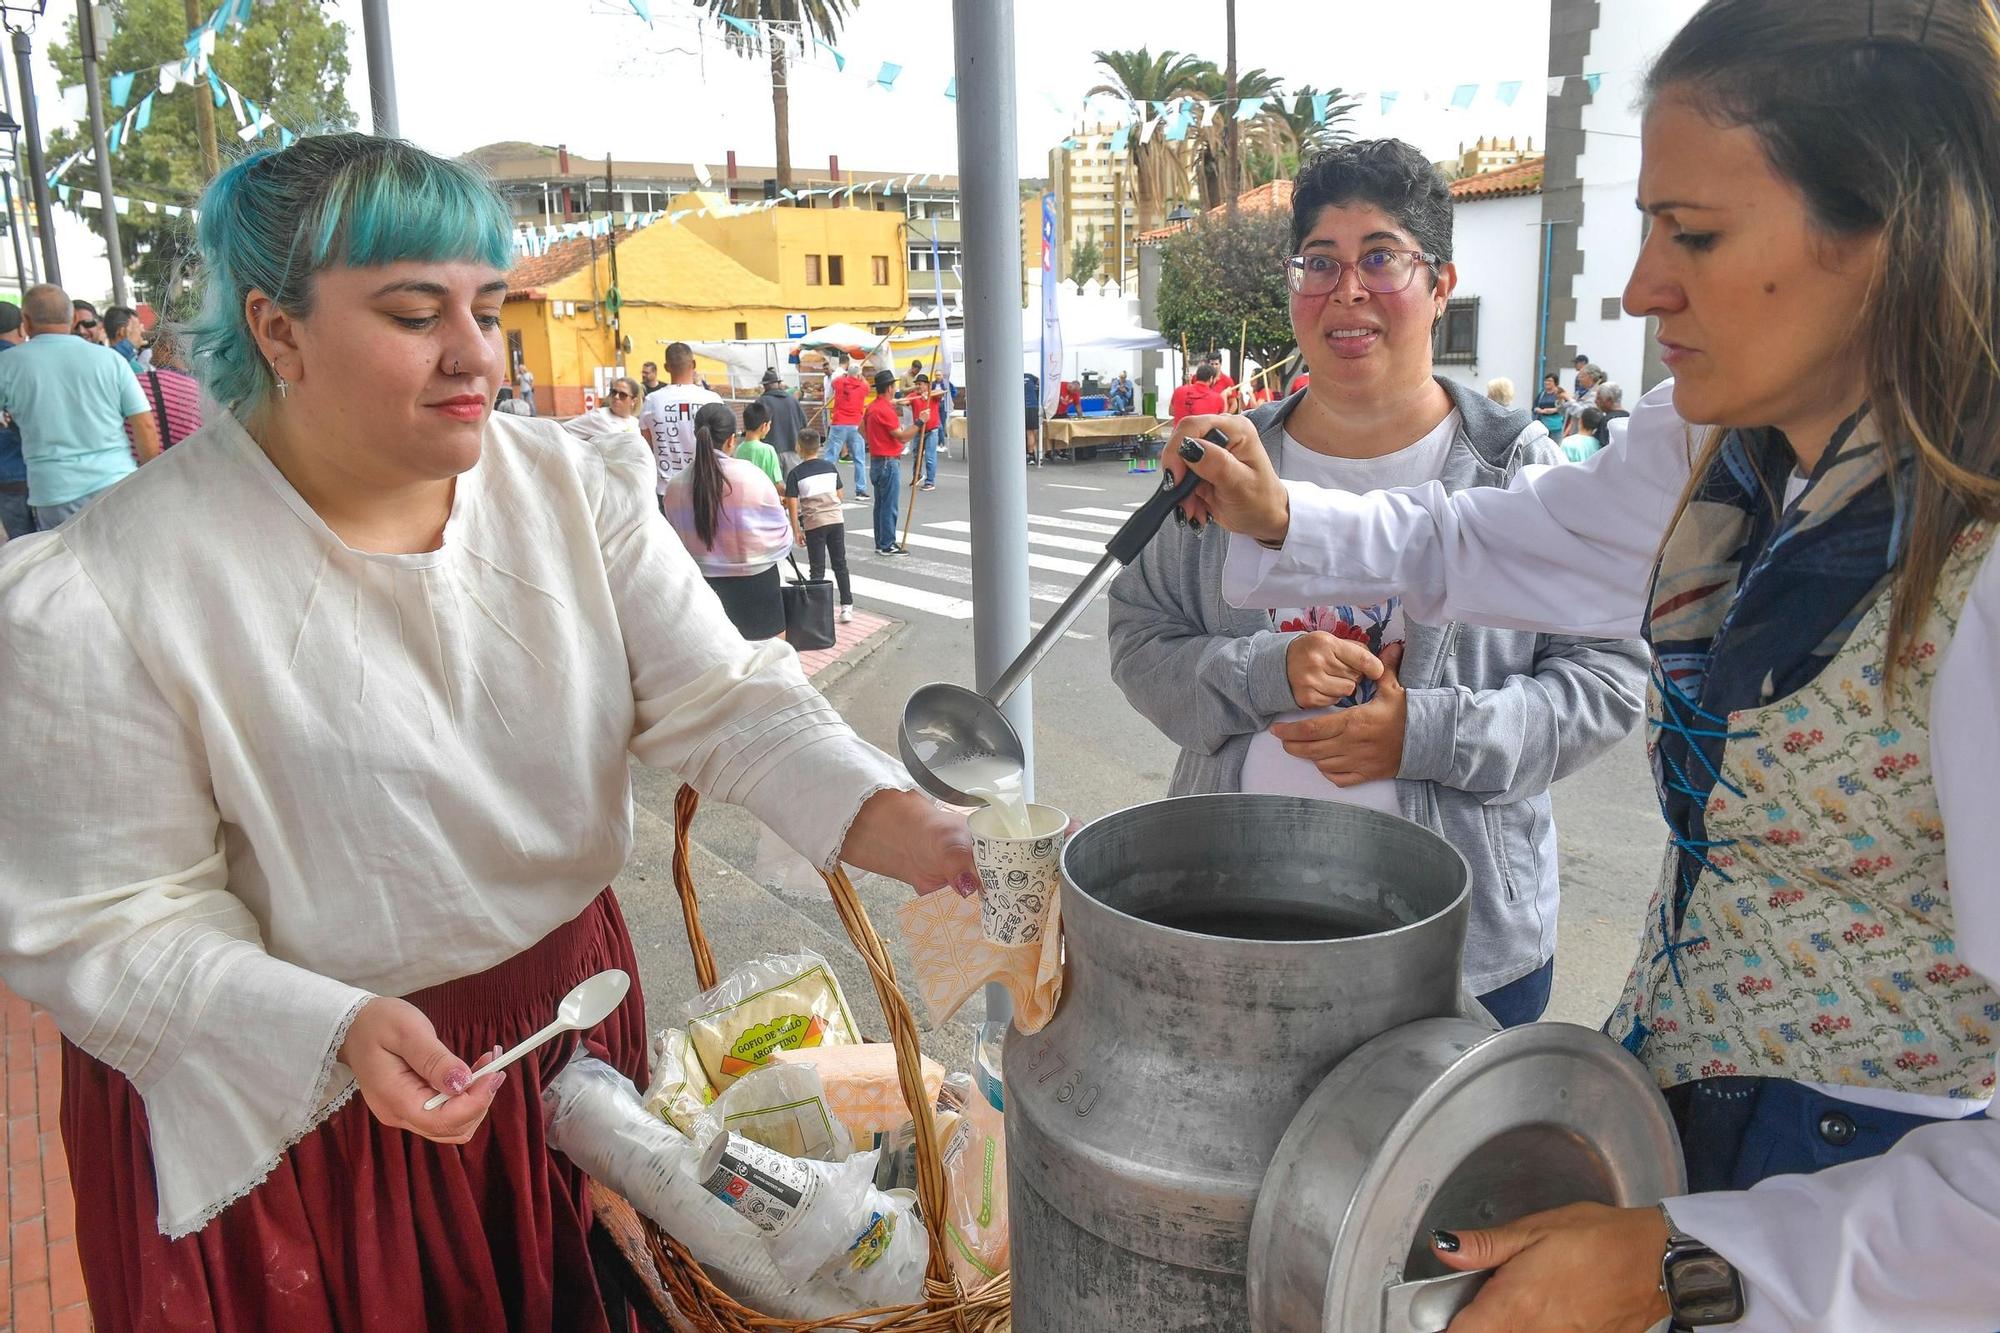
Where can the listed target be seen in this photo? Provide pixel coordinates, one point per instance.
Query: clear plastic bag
(822, 1261)
(781, 1106)
(680, 1091)
(781, 1002)
(975, 1170)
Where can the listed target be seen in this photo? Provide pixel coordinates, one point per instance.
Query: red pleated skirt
(363, 1227)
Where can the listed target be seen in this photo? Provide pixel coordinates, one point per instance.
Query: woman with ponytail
(1817, 985)
(732, 522)
(332, 810)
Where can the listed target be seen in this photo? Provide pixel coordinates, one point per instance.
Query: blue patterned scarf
(1751, 599)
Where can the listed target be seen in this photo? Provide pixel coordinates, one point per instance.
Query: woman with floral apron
(1815, 984)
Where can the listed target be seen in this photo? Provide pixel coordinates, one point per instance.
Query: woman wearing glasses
(614, 427)
(1467, 727)
(1815, 985)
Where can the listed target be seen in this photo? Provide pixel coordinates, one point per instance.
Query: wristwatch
(1702, 1288)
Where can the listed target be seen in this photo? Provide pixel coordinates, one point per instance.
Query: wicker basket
(946, 1307)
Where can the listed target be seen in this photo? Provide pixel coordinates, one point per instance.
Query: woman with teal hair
(333, 804)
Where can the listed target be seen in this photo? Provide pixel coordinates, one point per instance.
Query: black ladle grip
(1147, 518)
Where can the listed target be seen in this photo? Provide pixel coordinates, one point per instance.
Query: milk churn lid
(1443, 1123)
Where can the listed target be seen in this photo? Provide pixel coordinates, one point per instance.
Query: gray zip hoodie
(1495, 716)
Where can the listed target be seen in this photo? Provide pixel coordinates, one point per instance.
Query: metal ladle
(945, 723)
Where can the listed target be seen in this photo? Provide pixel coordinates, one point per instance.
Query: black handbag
(808, 611)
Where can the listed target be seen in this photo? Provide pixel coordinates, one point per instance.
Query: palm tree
(1302, 135)
(1139, 78)
(799, 22)
(1210, 153)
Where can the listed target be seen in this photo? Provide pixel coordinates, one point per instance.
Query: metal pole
(990, 199)
(14, 229)
(381, 68)
(32, 272)
(114, 252)
(38, 181)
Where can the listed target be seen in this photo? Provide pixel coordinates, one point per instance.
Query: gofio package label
(787, 1032)
(765, 1188)
(873, 1242)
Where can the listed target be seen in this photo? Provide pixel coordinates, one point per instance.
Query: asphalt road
(1093, 755)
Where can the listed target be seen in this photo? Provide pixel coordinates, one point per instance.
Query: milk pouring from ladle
(949, 726)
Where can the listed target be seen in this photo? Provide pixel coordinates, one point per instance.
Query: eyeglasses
(620, 393)
(86, 323)
(1383, 272)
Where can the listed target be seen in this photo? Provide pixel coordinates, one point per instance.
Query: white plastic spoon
(589, 1004)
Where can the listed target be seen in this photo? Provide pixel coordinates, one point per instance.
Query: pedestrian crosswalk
(934, 577)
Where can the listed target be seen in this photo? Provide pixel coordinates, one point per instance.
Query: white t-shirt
(1267, 767)
(667, 422)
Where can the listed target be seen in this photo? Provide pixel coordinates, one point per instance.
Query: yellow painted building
(699, 279)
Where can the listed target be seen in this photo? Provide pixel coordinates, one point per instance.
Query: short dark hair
(755, 414)
(1388, 173)
(1591, 420)
(809, 441)
(79, 305)
(115, 319)
(1582, 360)
(1206, 373)
(680, 358)
(10, 317)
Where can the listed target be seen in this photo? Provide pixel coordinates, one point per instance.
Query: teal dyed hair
(273, 221)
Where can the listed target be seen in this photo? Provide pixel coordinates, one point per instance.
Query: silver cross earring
(282, 386)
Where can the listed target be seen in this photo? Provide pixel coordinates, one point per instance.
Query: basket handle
(940, 1280)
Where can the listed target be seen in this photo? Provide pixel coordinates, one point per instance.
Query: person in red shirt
(1224, 383)
(882, 425)
(843, 436)
(925, 405)
(1198, 397)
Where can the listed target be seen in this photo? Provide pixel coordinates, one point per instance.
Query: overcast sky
(591, 74)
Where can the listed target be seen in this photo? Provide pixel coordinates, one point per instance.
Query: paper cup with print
(1018, 876)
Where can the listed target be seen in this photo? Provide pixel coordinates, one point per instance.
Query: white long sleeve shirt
(1908, 1240)
(256, 777)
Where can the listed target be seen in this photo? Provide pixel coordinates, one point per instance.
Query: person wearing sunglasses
(614, 424)
(1466, 728)
(83, 322)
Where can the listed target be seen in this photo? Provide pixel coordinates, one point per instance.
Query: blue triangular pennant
(1591, 81)
(1388, 100)
(887, 76)
(839, 60)
(1461, 96)
(121, 88)
(951, 88)
(1507, 92)
(1320, 103)
(145, 116)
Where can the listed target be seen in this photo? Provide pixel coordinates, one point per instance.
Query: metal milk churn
(1223, 954)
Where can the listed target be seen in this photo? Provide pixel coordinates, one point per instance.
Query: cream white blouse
(256, 777)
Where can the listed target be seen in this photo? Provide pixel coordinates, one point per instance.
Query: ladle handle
(1147, 518)
(1120, 551)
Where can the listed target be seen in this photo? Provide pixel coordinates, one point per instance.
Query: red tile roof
(1507, 183)
(556, 263)
(1268, 197)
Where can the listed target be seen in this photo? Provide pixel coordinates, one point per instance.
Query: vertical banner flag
(941, 368)
(1052, 355)
(1388, 100)
(1320, 103)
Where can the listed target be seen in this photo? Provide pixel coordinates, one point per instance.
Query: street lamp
(1182, 213)
(11, 128)
(20, 17)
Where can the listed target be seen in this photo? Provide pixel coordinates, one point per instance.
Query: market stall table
(1075, 433)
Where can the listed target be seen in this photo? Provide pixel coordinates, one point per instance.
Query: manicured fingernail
(455, 1082)
(965, 885)
(1191, 450)
(1180, 516)
(1445, 1241)
(1195, 523)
